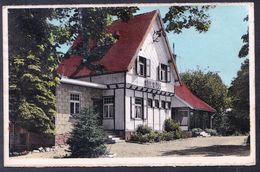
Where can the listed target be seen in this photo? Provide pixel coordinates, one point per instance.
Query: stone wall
(63, 120)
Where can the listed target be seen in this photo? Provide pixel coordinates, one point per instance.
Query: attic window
(164, 73)
(143, 66)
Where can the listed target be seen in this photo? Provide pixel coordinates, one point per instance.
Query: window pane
(108, 100)
(71, 108)
(138, 101)
(138, 111)
(105, 111)
(77, 108)
(150, 102)
(111, 111)
(74, 97)
(157, 103)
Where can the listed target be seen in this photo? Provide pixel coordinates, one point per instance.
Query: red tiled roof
(183, 92)
(120, 56)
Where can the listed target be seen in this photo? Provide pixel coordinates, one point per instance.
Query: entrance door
(98, 108)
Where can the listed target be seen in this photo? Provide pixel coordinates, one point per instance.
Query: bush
(212, 132)
(171, 126)
(196, 132)
(167, 136)
(87, 137)
(143, 129)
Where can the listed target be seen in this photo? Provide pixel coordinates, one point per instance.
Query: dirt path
(200, 146)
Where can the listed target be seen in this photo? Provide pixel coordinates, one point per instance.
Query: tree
(87, 137)
(184, 17)
(210, 88)
(239, 91)
(32, 76)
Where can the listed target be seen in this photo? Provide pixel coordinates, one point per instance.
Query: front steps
(113, 137)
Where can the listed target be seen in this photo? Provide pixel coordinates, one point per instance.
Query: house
(140, 83)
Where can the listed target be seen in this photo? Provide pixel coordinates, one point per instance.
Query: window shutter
(148, 67)
(137, 66)
(132, 106)
(144, 109)
(159, 72)
(168, 74)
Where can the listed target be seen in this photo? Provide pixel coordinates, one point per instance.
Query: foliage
(184, 17)
(237, 120)
(209, 87)
(145, 134)
(212, 132)
(87, 138)
(196, 132)
(143, 129)
(245, 48)
(171, 126)
(32, 76)
(239, 91)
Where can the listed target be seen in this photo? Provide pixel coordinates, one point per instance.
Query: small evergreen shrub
(143, 129)
(87, 137)
(171, 126)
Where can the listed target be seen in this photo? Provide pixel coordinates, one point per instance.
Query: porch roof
(184, 93)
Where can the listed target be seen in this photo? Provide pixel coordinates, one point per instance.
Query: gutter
(82, 83)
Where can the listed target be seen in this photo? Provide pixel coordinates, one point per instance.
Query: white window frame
(75, 102)
(139, 106)
(110, 113)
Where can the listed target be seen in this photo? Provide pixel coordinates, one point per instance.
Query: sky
(216, 50)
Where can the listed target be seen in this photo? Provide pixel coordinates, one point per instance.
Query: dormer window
(143, 66)
(164, 73)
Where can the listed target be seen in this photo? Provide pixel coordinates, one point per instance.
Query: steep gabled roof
(183, 92)
(119, 57)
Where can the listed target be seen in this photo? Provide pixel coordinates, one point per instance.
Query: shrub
(143, 129)
(158, 136)
(87, 137)
(171, 126)
(168, 136)
(178, 135)
(212, 132)
(196, 132)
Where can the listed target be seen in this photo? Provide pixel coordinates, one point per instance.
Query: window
(183, 117)
(163, 104)
(108, 107)
(168, 105)
(74, 103)
(164, 73)
(150, 102)
(156, 103)
(143, 66)
(138, 108)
